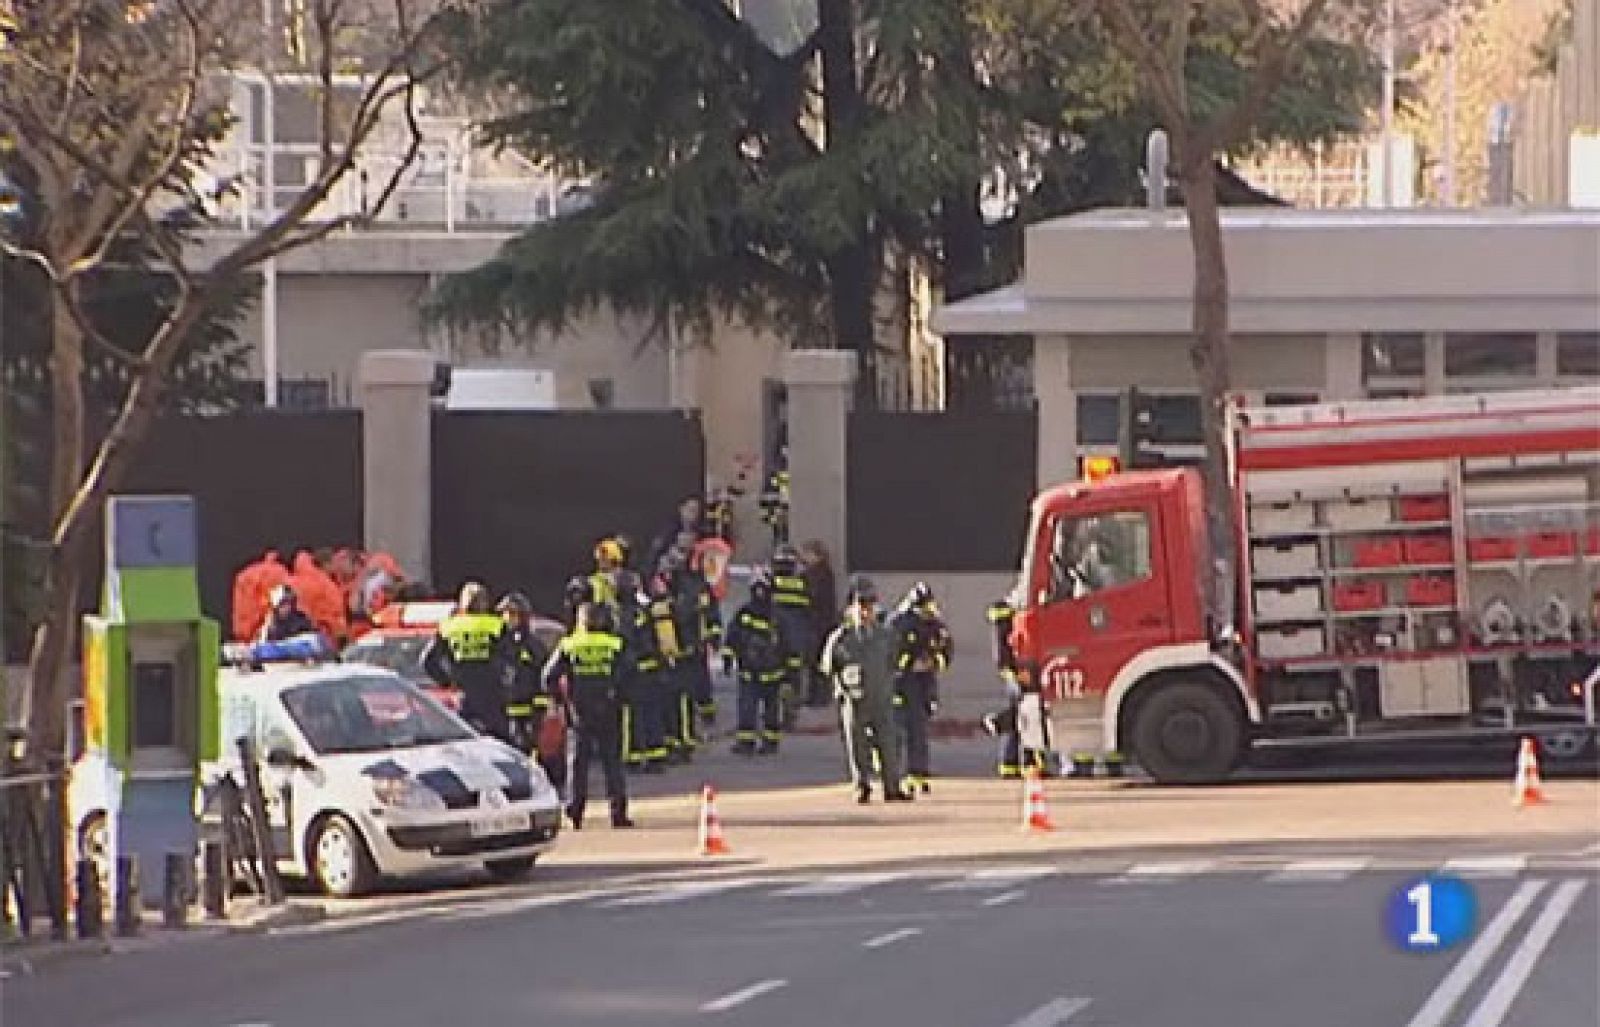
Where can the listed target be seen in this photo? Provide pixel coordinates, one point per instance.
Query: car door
(1101, 594)
(277, 782)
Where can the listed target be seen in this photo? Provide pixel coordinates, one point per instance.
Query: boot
(575, 815)
(619, 817)
(863, 794)
(898, 795)
(744, 747)
(768, 748)
(656, 767)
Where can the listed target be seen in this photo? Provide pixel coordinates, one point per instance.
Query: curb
(260, 919)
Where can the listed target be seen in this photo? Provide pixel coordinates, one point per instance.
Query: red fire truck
(1408, 570)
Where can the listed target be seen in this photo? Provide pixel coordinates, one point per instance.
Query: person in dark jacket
(644, 743)
(589, 662)
(756, 642)
(463, 654)
(924, 652)
(522, 658)
(859, 659)
(285, 619)
(822, 589)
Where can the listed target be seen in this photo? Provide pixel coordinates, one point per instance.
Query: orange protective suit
(320, 598)
(251, 588)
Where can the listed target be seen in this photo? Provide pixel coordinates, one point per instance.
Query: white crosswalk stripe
(1158, 872)
(675, 893)
(836, 884)
(995, 878)
(1321, 869)
(1486, 866)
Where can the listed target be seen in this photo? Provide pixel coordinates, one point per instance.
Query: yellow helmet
(608, 551)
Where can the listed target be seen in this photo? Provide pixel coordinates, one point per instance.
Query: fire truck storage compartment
(1431, 590)
(1359, 596)
(1380, 551)
(1425, 508)
(1548, 544)
(1433, 687)
(1289, 643)
(1358, 513)
(1285, 559)
(1288, 602)
(1301, 701)
(1282, 518)
(1431, 550)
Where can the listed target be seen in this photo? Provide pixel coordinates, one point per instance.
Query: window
(1098, 552)
(1175, 420)
(1392, 355)
(1291, 399)
(1578, 353)
(1490, 353)
(1099, 419)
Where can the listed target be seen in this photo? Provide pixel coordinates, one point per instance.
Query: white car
(365, 777)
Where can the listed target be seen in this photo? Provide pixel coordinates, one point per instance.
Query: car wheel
(508, 870)
(340, 863)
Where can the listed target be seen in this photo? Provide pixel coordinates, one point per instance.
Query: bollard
(214, 884)
(90, 911)
(176, 890)
(127, 896)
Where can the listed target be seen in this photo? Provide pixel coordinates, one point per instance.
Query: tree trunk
(853, 269)
(44, 703)
(70, 536)
(1209, 353)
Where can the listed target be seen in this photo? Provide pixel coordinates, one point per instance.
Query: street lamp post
(1386, 114)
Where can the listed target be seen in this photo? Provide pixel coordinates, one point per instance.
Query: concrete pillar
(819, 384)
(1058, 409)
(397, 456)
(1342, 368)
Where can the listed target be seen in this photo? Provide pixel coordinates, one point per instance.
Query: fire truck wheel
(1187, 734)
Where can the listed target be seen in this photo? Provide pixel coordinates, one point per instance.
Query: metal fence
(32, 851)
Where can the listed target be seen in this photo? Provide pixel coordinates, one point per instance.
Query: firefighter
(644, 744)
(608, 561)
(774, 504)
(792, 597)
(859, 659)
(574, 594)
(1007, 723)
(756, 642)
(590, 662)
(285, 619)
(699, 623)
(462, 654)
(676, 723)
(924, 652)
(522, 657)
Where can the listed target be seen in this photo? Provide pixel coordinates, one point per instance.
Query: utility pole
(269, 212)
(1386, 115)
(1447, 184)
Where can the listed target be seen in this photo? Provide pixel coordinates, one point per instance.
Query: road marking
(500, 907)
(995, 877)
(1321, 869)
(1004, 897)
(893, 936)
(1053, 1013)
(837, 884)
(354, 922)
(1491, 1012)
(1455, 984)
(743, 995)
(675, 893)
(1486, 866)
(1164, 871)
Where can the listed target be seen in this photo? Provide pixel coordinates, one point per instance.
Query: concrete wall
(1260, 362)
(971, 688)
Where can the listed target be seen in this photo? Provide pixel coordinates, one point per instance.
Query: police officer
(924, 652)
(755, 640)
(792, 595)
(644, 745)
(590, 661)
(859, 658)
(463, 654)
(522, 657)
(699, 621)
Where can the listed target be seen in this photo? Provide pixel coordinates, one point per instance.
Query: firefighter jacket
(859, 659)
(592, 665)
(522, 658)
(637, 628)
(924, 642)
(756, 639)
(695, 613)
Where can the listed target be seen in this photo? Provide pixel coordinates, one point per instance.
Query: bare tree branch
(1229, 127)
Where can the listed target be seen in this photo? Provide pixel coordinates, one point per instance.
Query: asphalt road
(1142, 944)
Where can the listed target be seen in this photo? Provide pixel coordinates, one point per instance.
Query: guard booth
(150, 682)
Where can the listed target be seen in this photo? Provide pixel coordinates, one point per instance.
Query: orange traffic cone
(1528, 790)
(1035, 811)
(711, 841)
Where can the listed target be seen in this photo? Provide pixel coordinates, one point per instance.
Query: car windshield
(399, 653)
(368, 714)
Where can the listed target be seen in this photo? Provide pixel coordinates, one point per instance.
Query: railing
(436, 192)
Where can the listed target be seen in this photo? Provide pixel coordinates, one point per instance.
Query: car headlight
(405, 793)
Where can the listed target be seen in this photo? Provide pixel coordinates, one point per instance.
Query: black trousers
(599, 738)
